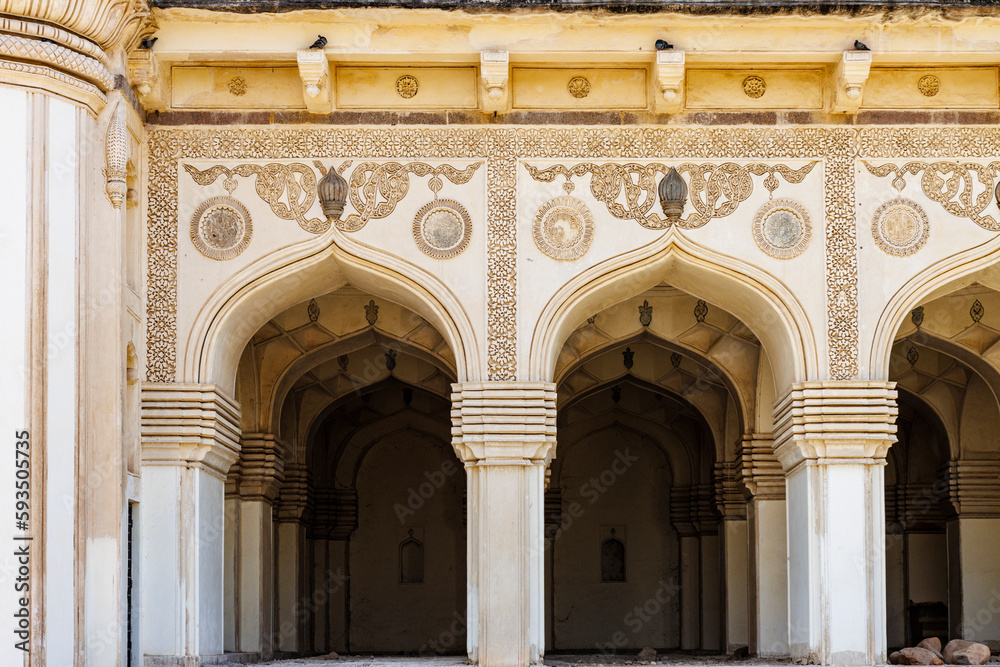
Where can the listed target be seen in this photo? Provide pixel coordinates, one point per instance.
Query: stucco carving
(900, 227)
(563, 228)
(47, 52)
(782, 229)
(838, 147)
(629, 190)
(221, 228)
(116, 158)
(442, 228)
(951, 184)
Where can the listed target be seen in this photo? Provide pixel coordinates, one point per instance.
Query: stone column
(832, 439)
(710, 569)
(761, 474)
(734, 556)
(261, 472)
(504, 432)
(682, 507)
(974, 590)
(190, 438)
(292, 560)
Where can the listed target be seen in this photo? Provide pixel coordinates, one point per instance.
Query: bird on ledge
(319, 43)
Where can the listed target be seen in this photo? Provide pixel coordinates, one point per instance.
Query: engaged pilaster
(831, 440)
(504, 432)
(190, 438)
(761, 474)
(972, 538)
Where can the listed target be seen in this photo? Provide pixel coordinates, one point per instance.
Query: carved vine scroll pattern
(953, 185)
(629, 190)
(374, 189)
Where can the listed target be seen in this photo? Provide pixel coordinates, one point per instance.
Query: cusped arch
(977, 265)
(376, 429)
(745, 407)
(275, 401)
(761, 301)
(682, 467)
(242, 304)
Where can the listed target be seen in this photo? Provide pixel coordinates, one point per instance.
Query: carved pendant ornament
(629, 191)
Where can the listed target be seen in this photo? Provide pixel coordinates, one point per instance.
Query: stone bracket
(849, 80)
(314, 70)
(144, 76)
(670, 81)
(494, 68)
(973, 488)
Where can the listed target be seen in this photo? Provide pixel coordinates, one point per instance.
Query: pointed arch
(248, 299)
(765, 305)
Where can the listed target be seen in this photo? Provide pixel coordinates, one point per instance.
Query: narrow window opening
(411, 561)
(612, 559)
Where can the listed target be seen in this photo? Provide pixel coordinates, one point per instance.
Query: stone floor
(553, 661)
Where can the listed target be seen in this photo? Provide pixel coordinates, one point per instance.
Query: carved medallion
(563, 228)
(781, 229)
(929, 85)
(900, 227)
(442, 228)
(407, 86)
(579, 87)
(238, 87)
(754, 86)
(221, 228)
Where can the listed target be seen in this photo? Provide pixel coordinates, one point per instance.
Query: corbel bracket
(494, 67)
(849, 81)
(144, 76)
(314, 70)
(670, 80)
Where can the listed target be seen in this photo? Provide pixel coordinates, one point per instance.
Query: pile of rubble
(929, 652)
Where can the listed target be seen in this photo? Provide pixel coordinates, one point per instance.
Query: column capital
(294, 500)
(973, 488)
(189, 425)
(833, 422)
(758, 468)
(504, 423)
(261, 466)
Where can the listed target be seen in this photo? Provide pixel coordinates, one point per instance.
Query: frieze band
(837, 148)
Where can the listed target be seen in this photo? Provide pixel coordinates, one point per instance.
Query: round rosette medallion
(563, 228)
(900, 227)
(781, 229)
(221, 228)
(442, 228)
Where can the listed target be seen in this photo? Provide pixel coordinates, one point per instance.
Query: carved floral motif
(629, 190)
(838, 147)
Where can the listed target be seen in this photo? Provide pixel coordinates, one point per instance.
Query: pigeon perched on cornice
(319, 43)
(663, 45)
(860, 46)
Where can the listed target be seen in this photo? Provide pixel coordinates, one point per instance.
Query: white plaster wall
(14, 334)
(769, 544)
(61, 382)
(386, 615)
(587, 613)
(161, 591)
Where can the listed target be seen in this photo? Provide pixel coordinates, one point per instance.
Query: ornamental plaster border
(837, 147)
